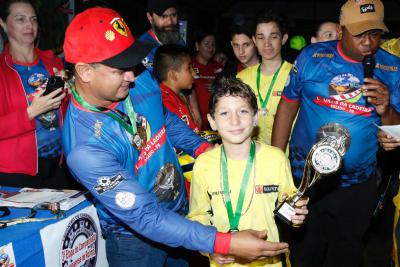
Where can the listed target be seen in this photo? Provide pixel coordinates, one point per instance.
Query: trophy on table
(324, 158)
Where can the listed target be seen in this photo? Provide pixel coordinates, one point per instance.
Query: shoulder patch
(105, 183)
(125, 200)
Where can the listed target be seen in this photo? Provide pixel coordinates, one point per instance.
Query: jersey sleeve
(395, 96)
(122, 195)
(180, 134)
(294, 83)
(199, 205)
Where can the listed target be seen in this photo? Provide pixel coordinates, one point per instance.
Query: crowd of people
(118, 135)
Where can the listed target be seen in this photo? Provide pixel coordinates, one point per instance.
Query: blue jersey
(48, 133)
(136, 190)
(149, 37)
(327, 84)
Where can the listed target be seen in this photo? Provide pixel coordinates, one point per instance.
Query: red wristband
(222, 243)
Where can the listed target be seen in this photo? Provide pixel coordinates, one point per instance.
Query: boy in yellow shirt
(268, 78)
(236, 186)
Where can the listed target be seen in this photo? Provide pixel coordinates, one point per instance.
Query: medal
(264, 102)
(263, 112)
(234, 216)
(139, 140)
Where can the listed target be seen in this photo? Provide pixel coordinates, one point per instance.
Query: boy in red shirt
(173, 67)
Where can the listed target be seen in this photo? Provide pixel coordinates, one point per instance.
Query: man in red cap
(119, 144)
(342, 90)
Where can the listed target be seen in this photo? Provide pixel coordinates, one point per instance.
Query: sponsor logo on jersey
(105, 183)
(265, 189)
(387, 68)
(323, 55)
(125, 200)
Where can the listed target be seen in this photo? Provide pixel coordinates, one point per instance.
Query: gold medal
(139, 140)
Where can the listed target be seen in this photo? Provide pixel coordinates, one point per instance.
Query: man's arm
(378, 95)
(285, 114)
(182, 137)
(122, 195)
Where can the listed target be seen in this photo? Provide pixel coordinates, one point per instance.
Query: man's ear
(314, 40)
(339, 31)
(285, 38)
(84, 71)
(212, 122)
(3, 25)
(149, 17)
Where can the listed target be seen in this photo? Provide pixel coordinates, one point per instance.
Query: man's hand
(377, 94)
(251, 245)
(301, 211)
(222, 259)
(387, 142)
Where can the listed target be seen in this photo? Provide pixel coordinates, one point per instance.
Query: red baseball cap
(100, 35)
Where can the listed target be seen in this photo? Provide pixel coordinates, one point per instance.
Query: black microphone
(368, 65)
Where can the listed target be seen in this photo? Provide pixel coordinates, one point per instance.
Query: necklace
(234, 218)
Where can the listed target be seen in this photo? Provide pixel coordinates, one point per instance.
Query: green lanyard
(182, 96)
(264, 102)
(235, 218)
(128, 123)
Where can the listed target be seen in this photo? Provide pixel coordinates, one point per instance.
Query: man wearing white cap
(119, 144)
(334, 98)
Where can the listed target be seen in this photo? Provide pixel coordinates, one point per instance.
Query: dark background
(302, 16)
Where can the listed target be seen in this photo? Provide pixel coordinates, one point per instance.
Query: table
(74, 240)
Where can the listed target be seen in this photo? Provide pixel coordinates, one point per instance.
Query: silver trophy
(324, 158)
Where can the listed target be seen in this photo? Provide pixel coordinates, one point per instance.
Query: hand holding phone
(53, 83)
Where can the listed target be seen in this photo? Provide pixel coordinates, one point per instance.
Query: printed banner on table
(81, 243)
(7, 258)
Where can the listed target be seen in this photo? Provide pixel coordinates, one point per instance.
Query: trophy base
(284, 212)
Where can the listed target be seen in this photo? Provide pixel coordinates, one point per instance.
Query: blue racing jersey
(327, 84)
(136, 190)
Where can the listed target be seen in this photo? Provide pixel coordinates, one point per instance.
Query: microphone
(368, 65)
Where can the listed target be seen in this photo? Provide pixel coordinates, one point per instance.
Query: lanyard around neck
(183, 97)
(126, 121)
(235, 218)
(264, 102)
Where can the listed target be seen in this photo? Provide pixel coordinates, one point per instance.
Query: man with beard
(163, 18)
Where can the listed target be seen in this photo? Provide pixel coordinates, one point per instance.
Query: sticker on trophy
(326, 159)
(263, 112)
(285, 212)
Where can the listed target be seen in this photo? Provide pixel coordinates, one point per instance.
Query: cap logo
(119, 25)
(368, 8)
(110, 35)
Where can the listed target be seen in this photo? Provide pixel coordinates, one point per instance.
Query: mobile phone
(53, 83)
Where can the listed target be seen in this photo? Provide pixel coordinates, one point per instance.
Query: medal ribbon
(235, 218)
(264, 102)
(182, 96)
(123, 119)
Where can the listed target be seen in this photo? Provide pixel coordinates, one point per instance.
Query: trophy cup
(324, 158)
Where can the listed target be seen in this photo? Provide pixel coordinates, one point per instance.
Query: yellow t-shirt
(263, 132)
(272, 179)
(392, 46)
